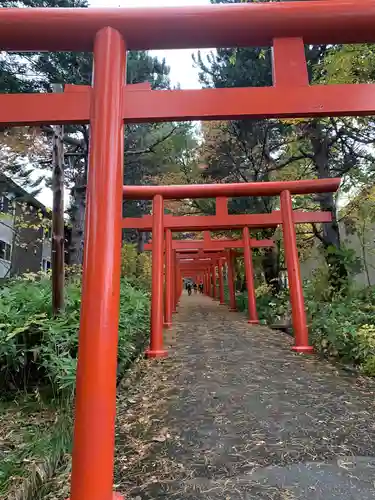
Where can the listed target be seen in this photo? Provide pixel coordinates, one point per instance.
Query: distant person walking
(188, 288)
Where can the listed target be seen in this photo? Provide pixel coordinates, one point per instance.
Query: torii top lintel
(317, 22)
(286, 26)
(215, 223)
(179, 192)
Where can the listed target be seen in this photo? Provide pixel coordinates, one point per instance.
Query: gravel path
(234, 414)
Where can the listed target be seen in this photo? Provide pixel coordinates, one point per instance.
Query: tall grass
(38, 360)
(39, 352)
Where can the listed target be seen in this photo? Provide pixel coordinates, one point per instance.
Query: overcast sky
(180, 62)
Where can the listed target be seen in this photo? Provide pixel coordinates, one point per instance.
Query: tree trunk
(270, 264)
(330, 238)
(77, 214)
(140, 250)
(237, 275)
(78, 201)
(243, 284)
(58, 251)
(141, 242)
(362, 239)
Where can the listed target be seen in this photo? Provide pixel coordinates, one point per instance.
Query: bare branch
(151, 149)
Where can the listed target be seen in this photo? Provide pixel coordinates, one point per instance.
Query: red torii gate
(108, 103)
(204, 264)
(204, 248)
(158, 223)
(222, 220)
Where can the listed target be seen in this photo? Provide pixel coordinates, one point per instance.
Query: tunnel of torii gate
(162, 227)
(201, 258)
(178, 263)
(109, 103)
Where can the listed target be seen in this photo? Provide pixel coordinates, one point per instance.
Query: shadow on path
(234, 414)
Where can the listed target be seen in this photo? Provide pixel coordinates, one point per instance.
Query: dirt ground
(233, 414)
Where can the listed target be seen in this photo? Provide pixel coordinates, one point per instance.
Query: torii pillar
(213, 274)
(95, 408)
(156, 349)
(221, 282)
(297, 300)
(168, 305)
(249, 271)
(231, 286)
(174, 283)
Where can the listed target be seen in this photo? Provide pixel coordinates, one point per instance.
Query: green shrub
(39, 352)
(368, 367)
(343, 327)
(271, 309)
(136, 267)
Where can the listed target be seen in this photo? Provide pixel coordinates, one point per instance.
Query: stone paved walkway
(234, 414)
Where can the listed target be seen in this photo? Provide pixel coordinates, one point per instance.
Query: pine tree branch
(151, 149)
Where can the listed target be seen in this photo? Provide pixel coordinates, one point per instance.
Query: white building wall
(47, 249)
(353, 242)
(46, 254)
(6, 235)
